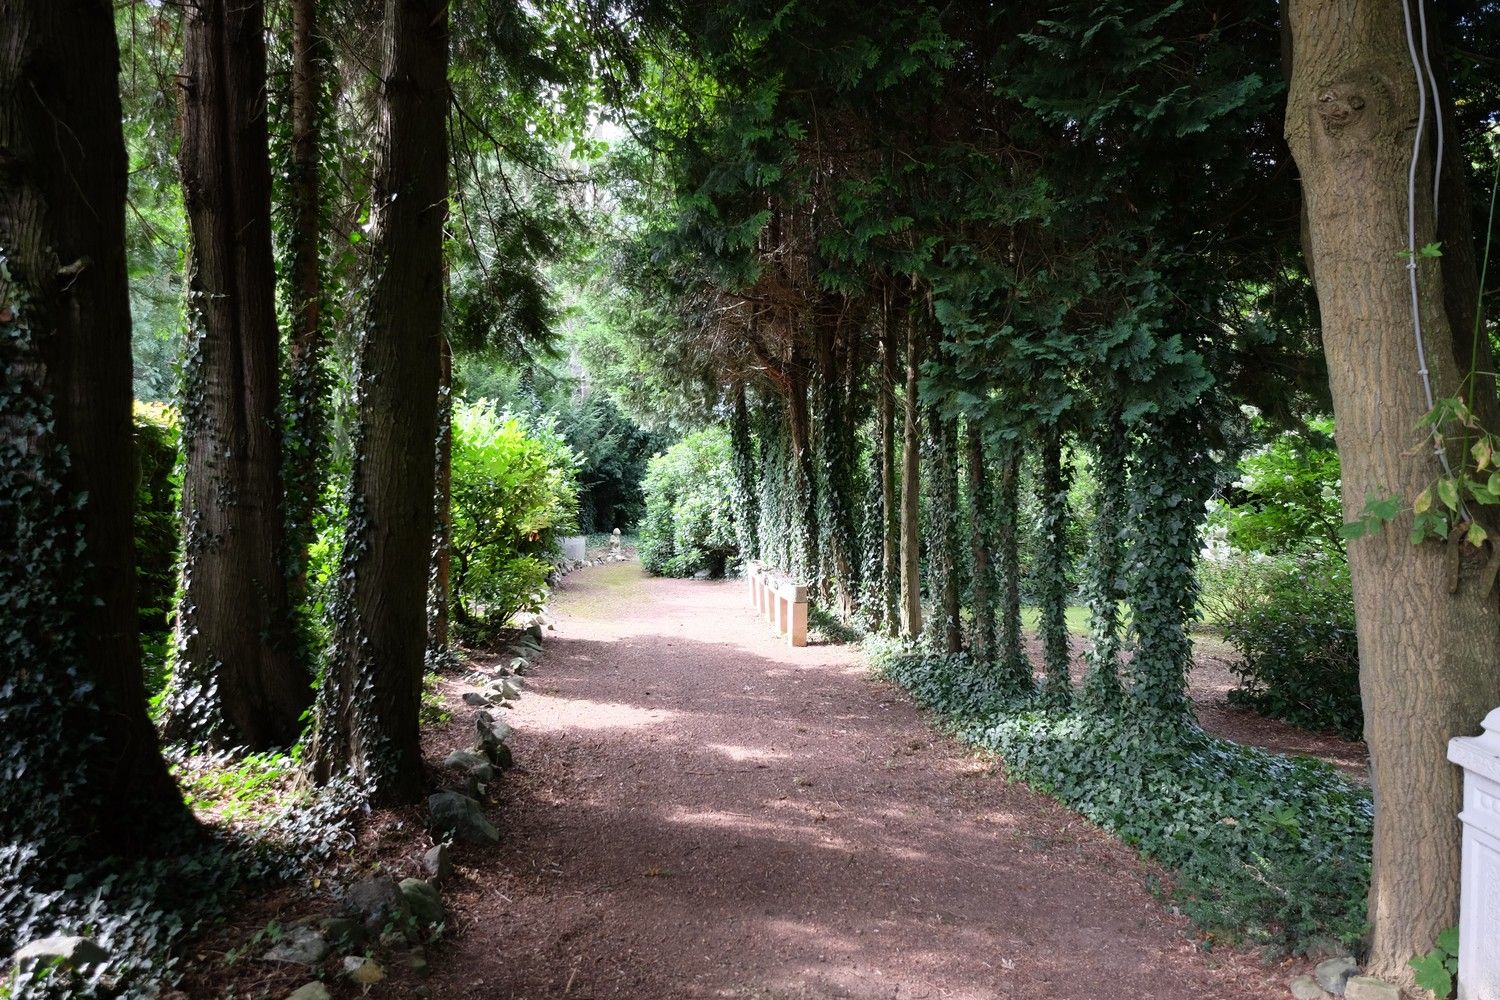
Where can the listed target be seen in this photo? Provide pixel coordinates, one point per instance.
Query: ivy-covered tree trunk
(238, 678)
(1012, 668)
(802, 479)
(911, 486)
(1169, 483)
(836, 492)
(308, 381)
(80, 772)
(1427, 620)
(1101, 683)
(890, 521)
(981, 542)
(440, 591)
(942, 531)
(368, 708)
(1052, 559)
(747, 507)
(775, 535)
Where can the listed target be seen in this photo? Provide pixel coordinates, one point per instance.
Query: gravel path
(705, 812)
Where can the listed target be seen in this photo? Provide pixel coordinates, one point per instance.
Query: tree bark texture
(368, 712)
(911, 486)
(1428, 629)
(238, 678)
(72, 696)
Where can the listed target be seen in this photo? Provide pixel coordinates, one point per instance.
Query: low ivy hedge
(1269, 850)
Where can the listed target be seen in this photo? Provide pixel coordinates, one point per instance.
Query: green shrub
(1291, 619)
(158, 536)
(1269, 850)
(515, 489)
(690, 522)
(1286, 500)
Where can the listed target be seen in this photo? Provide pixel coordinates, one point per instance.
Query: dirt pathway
(708, 813)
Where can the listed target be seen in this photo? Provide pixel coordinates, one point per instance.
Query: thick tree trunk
(1051, 572)
(1011, 664)
(238, 679)
(890, 522)
(1427, 651)
(368, 708)
(307, 379)
(911, 487)
(981, 591)
(72, 699)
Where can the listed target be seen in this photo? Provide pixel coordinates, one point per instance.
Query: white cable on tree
(1422, 75)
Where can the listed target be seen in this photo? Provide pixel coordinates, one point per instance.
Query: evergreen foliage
(689, 527)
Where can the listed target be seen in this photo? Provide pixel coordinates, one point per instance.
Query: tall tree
(238, 678)
(368, 706)
(1427, 621)
(890, 521)
(911, 484)
(1052, 569)
(307, 372)
(981, 542)
(79, 766)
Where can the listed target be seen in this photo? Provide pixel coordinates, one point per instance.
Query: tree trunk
(1427, 651)
(368, 711)
(1101, 683)
(1011, 665)
(801, 475)
(79, 764)
(911, 488)
(982, 595)
(307, 378)
(238, 680)
(747, 512)
(441, 591)
(942, 530)
(1051, 571)
(1170, 479)
(890, 522)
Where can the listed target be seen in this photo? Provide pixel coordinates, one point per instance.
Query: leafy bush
(158, 535)
(515, 489)
(1291, 619)
(690, 520)
(1287, 497)
(1269, 850)
(1276, 580)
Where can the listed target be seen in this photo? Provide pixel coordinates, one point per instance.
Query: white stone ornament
(1479, 906)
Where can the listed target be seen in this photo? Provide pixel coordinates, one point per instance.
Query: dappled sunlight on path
(706, 812)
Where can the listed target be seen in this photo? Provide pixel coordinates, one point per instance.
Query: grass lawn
(1077, 616)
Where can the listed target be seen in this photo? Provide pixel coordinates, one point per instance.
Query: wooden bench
(780, 599)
